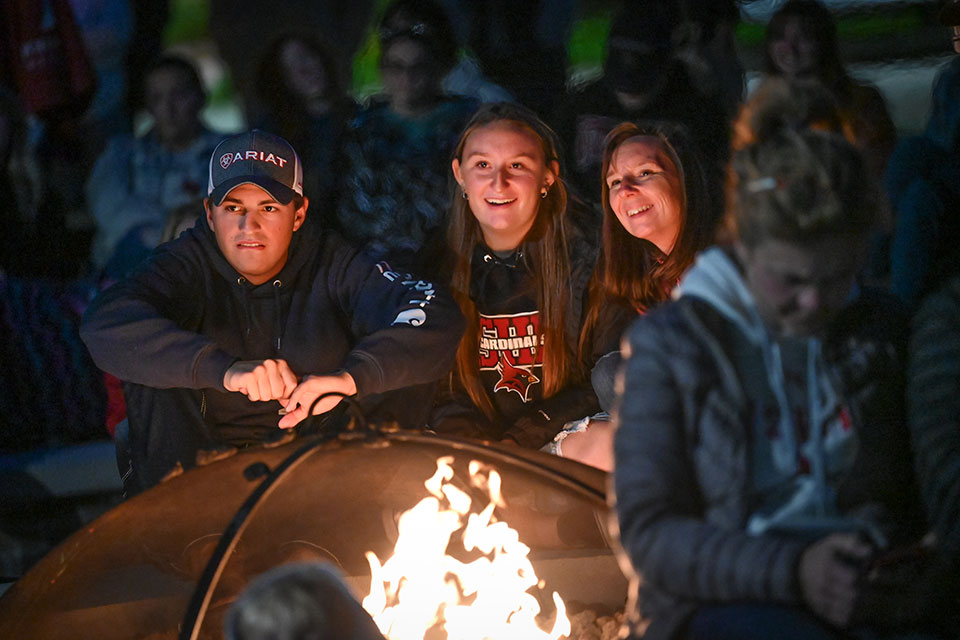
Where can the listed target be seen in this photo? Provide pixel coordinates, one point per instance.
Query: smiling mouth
(250, 245)
(639, 210)
(499, 202)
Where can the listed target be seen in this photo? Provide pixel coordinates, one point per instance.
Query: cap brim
(950, 14)
(279, 192)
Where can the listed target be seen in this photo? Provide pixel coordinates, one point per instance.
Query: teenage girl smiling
(519, 270)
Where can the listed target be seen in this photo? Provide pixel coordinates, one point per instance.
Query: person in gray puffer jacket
(763, 483)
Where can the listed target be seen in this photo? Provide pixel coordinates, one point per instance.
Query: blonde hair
(826, 173)
(800, 186)
(779, 103)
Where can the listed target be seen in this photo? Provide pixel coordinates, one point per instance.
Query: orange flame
(420, 587)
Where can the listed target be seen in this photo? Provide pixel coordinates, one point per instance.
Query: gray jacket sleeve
(933, 399)
(666, 489)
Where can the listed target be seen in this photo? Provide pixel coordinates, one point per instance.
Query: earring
(463, 194)
(543, 194)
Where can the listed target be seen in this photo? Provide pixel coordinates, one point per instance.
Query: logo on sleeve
(510, 345)
(413, 317)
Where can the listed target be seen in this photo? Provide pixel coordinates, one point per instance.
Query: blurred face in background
(646, 191)
(303, 70)
(795, 52)
(637, 68)
(411, 78)
(799, 288)
(173, 101)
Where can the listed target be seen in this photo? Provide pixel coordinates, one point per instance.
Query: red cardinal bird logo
(514, 378)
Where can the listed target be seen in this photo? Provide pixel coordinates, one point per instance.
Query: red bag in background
(45, 56)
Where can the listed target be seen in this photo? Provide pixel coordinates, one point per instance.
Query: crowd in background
(618, 190)
(88, 198)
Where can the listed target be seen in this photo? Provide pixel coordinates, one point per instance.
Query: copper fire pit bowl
(168, 562)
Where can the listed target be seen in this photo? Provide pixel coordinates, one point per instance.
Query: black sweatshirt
(185, 316)
(503, 290)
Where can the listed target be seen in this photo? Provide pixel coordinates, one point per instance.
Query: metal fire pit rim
(196, 609)
(523, 458)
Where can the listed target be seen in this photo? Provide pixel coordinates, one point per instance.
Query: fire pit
(168, 563)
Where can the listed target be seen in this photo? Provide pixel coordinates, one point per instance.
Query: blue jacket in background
(136, 182)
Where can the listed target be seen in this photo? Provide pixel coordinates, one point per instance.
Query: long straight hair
(634, 270)
(545, 248)
(817, 21)
(286, 105)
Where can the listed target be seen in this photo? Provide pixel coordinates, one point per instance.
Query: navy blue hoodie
(185, 316)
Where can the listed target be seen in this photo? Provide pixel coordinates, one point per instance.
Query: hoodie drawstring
(816, 407)
(277, 315)
(786, 456)
(246, 305)
(277, 311)
(479, 276)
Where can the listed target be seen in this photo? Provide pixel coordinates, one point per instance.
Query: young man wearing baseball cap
(254, 312)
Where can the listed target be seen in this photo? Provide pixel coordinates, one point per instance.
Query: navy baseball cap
(255, 157)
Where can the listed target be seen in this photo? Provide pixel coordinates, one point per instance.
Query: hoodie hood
(274, 288)
(717, 280)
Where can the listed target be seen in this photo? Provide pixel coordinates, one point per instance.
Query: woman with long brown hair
(801, 43)
(519, 269)
(657, 214)
(307, 104)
